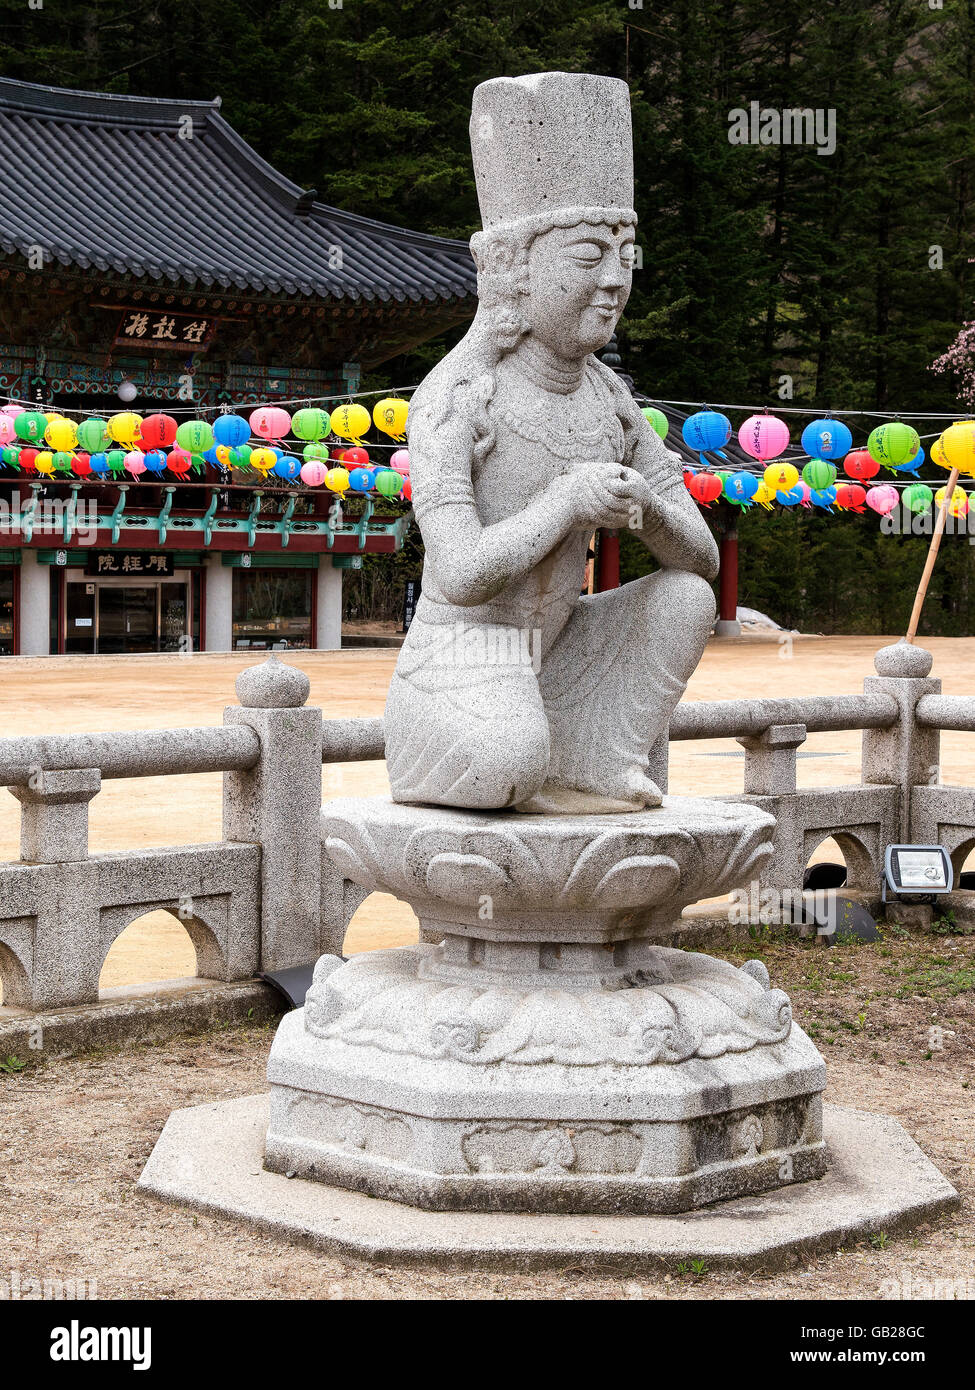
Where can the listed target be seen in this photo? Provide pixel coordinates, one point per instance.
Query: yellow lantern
(938, 453)
(350, 422)
(389, 415)
(958, 446)
(765, 495)
(263, 460)
(125, 428)
(337, 479)
(780, 477)
(223, 455)
(44, 463)
(61, 434)
(958, 504)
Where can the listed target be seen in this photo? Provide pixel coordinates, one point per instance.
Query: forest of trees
(848, 273)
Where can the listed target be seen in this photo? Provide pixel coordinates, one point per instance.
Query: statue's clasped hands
(608, 494)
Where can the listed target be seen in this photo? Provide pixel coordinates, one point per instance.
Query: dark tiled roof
(107, 182)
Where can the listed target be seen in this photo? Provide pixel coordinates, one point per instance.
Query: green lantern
(30, 425)
(197, 462)
(10, 455)
(63, 461)
(918, 497)
(893, 444)
(311, 452)
(388, 482)
(93, 436)
(819, 474)
(195, 436)
(116, 460)
(310, 424)
(657, 419)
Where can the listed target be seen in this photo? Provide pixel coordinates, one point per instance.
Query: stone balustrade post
(278, 805)
(770, 759)
(907, 754)
(59, 891)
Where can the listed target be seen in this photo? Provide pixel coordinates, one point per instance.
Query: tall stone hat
(549, 141)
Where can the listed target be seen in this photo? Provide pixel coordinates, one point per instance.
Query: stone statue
(512, 690)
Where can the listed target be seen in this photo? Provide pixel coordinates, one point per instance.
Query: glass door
(128, 618)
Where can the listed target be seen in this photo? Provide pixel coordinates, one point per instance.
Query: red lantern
(355, 457)
(179, 462)
(850, 498)
(408, 490)
(860, 465)
(81, 464)
(26, 459)
(158, 431)
(705, 488)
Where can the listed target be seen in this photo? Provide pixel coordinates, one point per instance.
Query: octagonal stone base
(209, 1157)
(689, 1087)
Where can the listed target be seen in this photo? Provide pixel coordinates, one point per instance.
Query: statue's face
(579, 280)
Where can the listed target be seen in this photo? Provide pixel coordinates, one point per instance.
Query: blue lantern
(361, 479)
(287, 467)
(792, 497)
(827, 439)
(911, 466)
(98, 463)
(707, 432)
(823, 497)
(155, 460)
(740, 488)
(231, 430)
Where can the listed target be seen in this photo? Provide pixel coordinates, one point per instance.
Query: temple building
(150, 260)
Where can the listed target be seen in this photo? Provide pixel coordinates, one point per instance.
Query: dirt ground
(74, 1136)
(61, 695)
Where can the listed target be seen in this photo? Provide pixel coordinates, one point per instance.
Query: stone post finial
(903, 659)
(272, 685)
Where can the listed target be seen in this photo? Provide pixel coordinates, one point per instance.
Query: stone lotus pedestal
(538, 1051)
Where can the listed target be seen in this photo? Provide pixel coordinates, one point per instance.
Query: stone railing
(266, 897)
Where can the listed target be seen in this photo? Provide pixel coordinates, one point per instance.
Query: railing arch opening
(380, 921)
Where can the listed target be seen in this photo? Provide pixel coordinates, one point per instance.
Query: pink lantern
(270, 422)
(764, 436)
(13, 410)
(882, 499)
(313, 472)
(7, 432)
(806, 490)
(400, 461)
(135, 462)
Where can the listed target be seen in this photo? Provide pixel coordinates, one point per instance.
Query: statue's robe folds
(539, 698)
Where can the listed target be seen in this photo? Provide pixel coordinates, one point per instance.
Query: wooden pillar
(607, 561)
(727, 624)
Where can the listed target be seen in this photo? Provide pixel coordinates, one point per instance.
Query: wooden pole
(933, 548)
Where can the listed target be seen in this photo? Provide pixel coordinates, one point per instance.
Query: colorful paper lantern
(389, 415)
(791, 497)
(740, 488)
(957, 503)
(779, 477)
(116, 460)
(882, 499)
(314, 451)
(350, 422)
(81, 464)
(93, 435)
(99, 463)
(194, 436)
(231, 430)
(658, 420)
(823, 498)
(125, 428)
(707, 431)
(893, 443)
(361, 479)
(310, 423)
(62, 434)
(401, 462)
(705, 488)
(918, 497)
(159, 431)
(356, 457)
(337, 480)
(938, 454)
(313, 474)
(63, 459)
(765, 437)
(155, 460)
(764, 496)
(826, 439)
(44, 463)
(263, 460)
(861, 465)
(819, 474)
(288, 467)
(389, 483)
(408, 491)
(270, 422)
(850, 497)
(7, 431)
(958, 446)
(30, 426)
(135, 462)
(179, 461)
